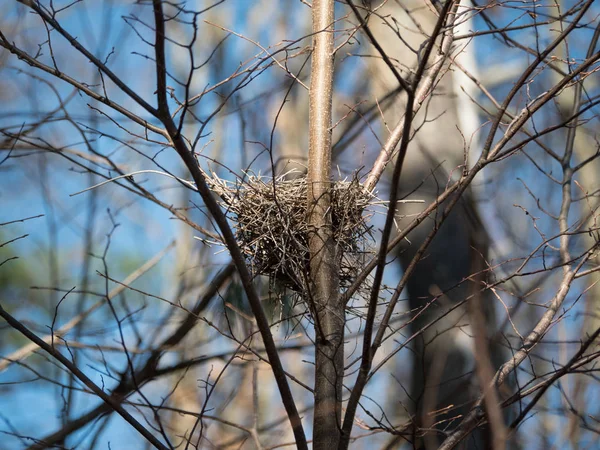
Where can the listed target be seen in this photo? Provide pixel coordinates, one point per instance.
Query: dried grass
(270, 217)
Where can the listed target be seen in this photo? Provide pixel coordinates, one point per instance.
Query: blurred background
(244, 67)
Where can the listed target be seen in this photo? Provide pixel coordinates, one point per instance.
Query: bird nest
(270, 218)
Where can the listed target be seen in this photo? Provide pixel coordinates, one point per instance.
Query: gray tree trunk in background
(444, 377)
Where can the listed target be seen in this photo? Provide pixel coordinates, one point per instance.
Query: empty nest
(270, 217)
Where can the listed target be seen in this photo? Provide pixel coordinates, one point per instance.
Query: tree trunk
(323, 293)
(443, 366)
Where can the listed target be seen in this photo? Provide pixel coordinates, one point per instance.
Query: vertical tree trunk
(443, 356)
(323, 293)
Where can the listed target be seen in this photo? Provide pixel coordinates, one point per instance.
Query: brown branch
(149, 370)
(576, 361)
(26, 350)
(368, 352)
(161, 62)
(35, 6)
(472, 419)
(365, 27)
(569, 272)
(523, 79)
(422, 87)
(180, 145)
(108, 399)
(483, 360)
(100, 98)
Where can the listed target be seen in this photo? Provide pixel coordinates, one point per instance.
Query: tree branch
(239, 261)
(108, 399)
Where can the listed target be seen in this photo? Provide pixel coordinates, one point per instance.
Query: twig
(27, 349)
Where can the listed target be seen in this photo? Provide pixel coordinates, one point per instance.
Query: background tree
(270, 311)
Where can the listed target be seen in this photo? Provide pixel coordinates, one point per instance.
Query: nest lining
(270, 217)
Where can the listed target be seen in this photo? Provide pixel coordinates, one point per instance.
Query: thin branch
(26, 350)
(108, 399)
(239, 261)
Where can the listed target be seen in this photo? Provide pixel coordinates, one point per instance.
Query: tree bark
(323, 290)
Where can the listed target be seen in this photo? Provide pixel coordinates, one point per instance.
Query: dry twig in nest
(270, 217)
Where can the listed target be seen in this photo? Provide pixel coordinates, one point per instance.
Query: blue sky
(144, 228)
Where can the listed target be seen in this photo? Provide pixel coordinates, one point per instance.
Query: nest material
(270, 217)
